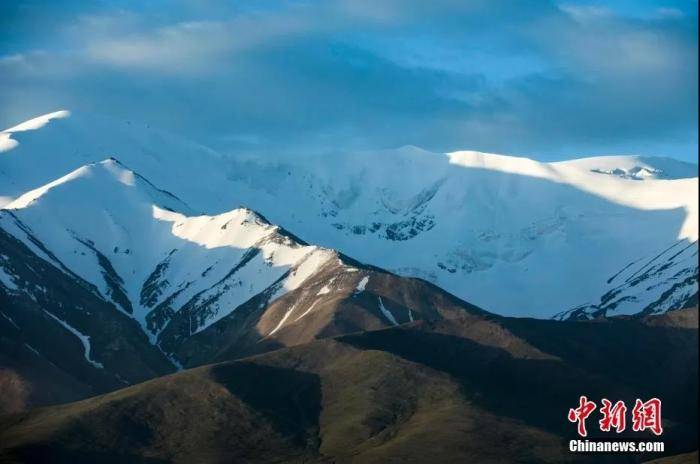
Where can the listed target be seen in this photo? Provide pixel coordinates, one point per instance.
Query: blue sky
(548, 80)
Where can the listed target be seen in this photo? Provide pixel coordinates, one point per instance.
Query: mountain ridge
(430, 390)
(466, 221)
(120, 262)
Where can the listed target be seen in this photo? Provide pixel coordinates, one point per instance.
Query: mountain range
(468, 222)
(332, 307)
(475, 388)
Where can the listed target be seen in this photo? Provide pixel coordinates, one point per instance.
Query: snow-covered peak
(473, 223)
(7, 142)
(105, 182)
(669, 184)
(500, 163)
(38, 122)
(147, 252)
(46, 148)
(626, 166)
(635, 167)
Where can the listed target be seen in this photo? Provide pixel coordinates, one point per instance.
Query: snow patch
(307, 311)
(326, 288)
(386, 312)
(7, 280)
(178, 365)
(362, 285)
(310, 264)
(84, 339)
(10, 320)
(282, 321)
(32, 349)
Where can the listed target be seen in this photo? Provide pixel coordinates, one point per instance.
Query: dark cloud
(532, 78)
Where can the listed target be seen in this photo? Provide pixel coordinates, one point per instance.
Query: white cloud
(586, 13)
(533, 78)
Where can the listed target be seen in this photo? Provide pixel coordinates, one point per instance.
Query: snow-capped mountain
(550, 234)
(106, 280)
(148, 253)
(59, 339)
(660, 282)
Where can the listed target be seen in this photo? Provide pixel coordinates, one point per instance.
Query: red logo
(581, 413)
(645, 415)
(613, 416)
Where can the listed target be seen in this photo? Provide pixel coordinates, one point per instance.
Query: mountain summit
(472, 223)
(132, 283)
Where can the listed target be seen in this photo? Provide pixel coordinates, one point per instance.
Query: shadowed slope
(464, 390)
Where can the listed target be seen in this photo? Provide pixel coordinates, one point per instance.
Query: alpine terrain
(164, 302)
(108, 281)
(471, 223)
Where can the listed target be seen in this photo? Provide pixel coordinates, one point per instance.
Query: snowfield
(512, 235)
(147, 252)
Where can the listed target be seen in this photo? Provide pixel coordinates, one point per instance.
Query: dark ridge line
(189, 308)
(30, 235)
(112, 278)
(664, 296)
(150, 184)
(280, 230)
(622, 270)
(689, 245)
(652, 260)
(151, 286)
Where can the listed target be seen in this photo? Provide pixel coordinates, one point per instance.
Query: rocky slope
(59, 339)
